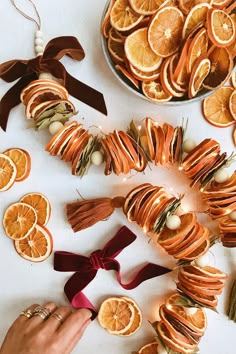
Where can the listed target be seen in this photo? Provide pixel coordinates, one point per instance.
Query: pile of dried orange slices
(15, 165)
(24, 222)
(120, 316)
(172, 49)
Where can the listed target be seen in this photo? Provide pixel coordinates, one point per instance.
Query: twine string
(37, 21)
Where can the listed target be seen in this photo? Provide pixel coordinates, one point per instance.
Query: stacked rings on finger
(41, 311)
(26, 313)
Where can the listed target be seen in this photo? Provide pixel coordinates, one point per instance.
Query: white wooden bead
(202, 261)
(97, 158)
(45, 76)
(189, 145)
(221, 176)
(54, 127)
(38, 49)
(190, 310)
(39, 41)
(38, 34)
(233, 215)
(173, 222)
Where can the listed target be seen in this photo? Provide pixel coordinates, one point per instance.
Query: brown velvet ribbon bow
(86, 268)
(28, 70)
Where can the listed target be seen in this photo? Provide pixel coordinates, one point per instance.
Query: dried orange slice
(106, 21)
(123, 17)
(19, 220)
(41, 205)
(37, 246)
(220, 4)
(232, 104)
(221, 28)
(196, 16)
(234, 136)
(167, 79)
(43, 84)
(216, 108)
(22, 160)
(116, 50)
(165, 31)
(144, 76)
(150, 348)
(154, 91)
(197, 48)
(200, 71)
(8, 172)
(127, 75)
(233, 79)
(221, 67)
(116, 315)
(146, 7)
(139, 52)
(137, 321)
(186, 5)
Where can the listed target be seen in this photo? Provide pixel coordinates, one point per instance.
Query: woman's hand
(46, 329)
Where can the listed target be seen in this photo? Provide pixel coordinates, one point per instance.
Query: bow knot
(96, 260)
(86, 268)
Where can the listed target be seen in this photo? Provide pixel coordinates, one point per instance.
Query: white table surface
(23, 283)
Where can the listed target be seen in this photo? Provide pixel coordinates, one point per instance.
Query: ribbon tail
(12, 98)
(73, 290)
(85, 93)
(123, 238)
(149, 271)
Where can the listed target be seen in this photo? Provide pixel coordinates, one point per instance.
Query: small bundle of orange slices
(171, 49)
(122, 153)
(46, 101)
(73, 144)
(188, 242)
(227, 226)
(178, 329)
(148, 206)
(221, 197)
(15, 165)
(120, 316)
(201, 284)
(24, 222)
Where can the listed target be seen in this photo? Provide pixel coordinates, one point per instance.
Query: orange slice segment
(233, 79)
(216, 108)
(41, 205)
(144, 76)
(234, 136)
(221, 28)
(22, 160)
(220, 4)
(116, 315)
(146, 7)
(186, 5)
(123, 17)
(127, 75)
(198, 47)
(196, 16)
(116, 50)
(137, 321)
(154, 91)
(165, 31)
(150, 348)
(19, 220)
(232, 104)
(8, 172)
(139, 52)
(221, 67)
(200, 71)
(37, 246)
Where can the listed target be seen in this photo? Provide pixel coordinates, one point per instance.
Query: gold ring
(26, 313)
(57, 316)
(41, 311)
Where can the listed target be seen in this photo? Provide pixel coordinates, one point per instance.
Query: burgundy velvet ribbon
(28, 70)
(86, 268)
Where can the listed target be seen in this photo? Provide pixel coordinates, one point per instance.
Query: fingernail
(86, 313)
